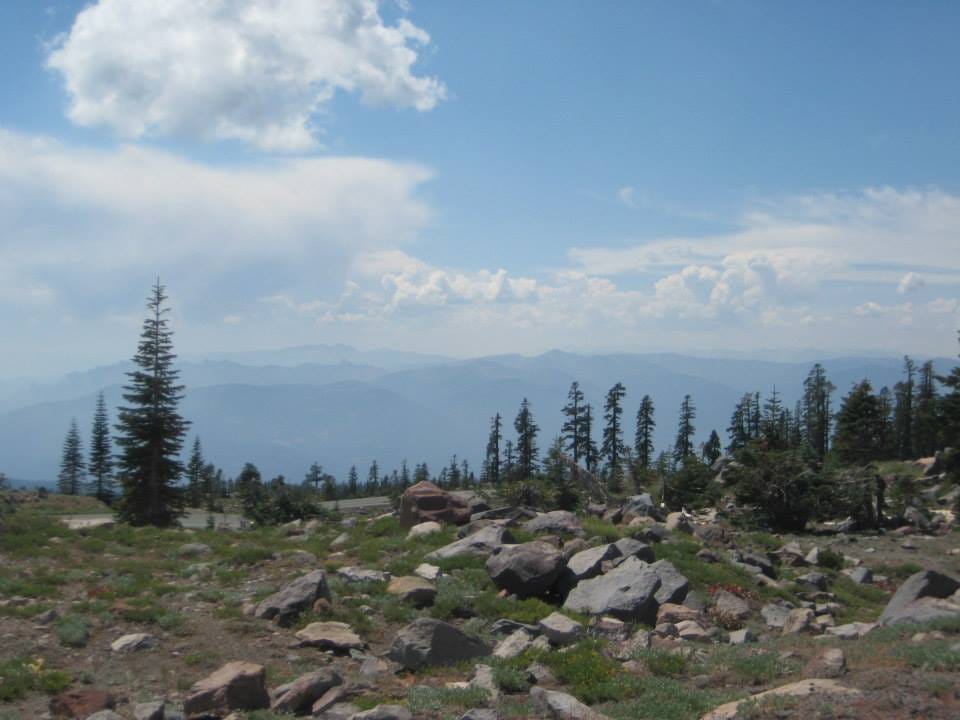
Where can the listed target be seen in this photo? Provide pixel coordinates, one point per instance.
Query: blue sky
(479, 177)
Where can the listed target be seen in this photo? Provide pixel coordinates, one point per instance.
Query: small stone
(560, 629)
(798, 620)
(329, 636)
(133, 642)
(384, 712)
(423, 529)
(832, 663)
(413, 589)
(150, 711)
(428, 572)
(512, 645)
(742, 637)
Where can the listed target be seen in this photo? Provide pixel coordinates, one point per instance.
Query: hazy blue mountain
(285, 417)
(329, 355)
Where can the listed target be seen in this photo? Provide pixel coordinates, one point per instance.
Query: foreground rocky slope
(619, 613)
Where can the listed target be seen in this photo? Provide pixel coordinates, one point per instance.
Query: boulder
(423, 529)
(555, 521)
(300, 595)
(775, 614)
(299, 696)
(413, 589)
(861, 574)
(352, 574)
(730, 607)
(673, 586)
(813, 581)
(851, 631)
(133, 642)
(80, 703)
(673, 613)
(482, 542)
(424, 502)
(798, 620)
(630, 547)
(587, 564)
(384, 712)
(526, 570)
(639, 506)
(512, 645)
(741, 637)
(831, 663)
(560, 706)
(678, 522)
(801, 689)
(235, 686)
(154, 710)
(559, 629)
(336, 636)
(426, 642)
(923, 596)
(627, 592)
(106, 715)
(428, 571)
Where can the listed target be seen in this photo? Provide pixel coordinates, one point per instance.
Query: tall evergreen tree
(100, 464)
(643, 442)
(572, 429)
(612, 446)
(561, 477)
(195, 468)
(353, 483)
(817, 415)
(527, 451)
(950, 407)
(491, 463)
(509, 461)
(772, 428)
(903, 410)
(683, 447)
(71, 476)
(926, 424)
(712, 449)
(151, 429)
(373, 479)
(739, 430)
(857, 438)
(588, 447)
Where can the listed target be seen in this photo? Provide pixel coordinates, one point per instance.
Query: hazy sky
(468, 178)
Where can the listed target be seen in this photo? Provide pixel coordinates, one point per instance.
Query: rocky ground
(449, 609)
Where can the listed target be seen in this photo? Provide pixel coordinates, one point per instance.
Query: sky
(478, 178)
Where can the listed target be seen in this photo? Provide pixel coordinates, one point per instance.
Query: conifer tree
(950, 407)
(558, 475)
(151, 429)
(772, 425)
(353, 482)
(71, 476)
(858, 436)
(100, 464)
(373, 480)
(926, 423)
(421, 473)
(903, 410)
(404, 475)
(527, 431)
(572, 439)
(817, 416)
(509, 460)
(491, 463)
(194, 471)
(739, 430)
(612, 446)
(712, 449)
(588, 447)
(683, 447)
(643, 442)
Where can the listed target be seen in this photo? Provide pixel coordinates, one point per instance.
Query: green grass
(762, 540)
(662, 698)
(73, 630)
(860, 603)
(20, 676)
(591, 675)
(935, 656)
(422, 699)
(594, 526)
(664, 663)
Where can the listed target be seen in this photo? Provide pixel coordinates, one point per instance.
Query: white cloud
(626, 195)
(911, 282)
(251, 70)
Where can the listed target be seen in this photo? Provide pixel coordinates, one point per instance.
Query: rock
(798, 620)
(338, 711)
(298, 596)
(526, 570)
(482, 542)
(235, 686)
(673, 586)
(861, 574)
(813, 557)
(561, 706)
(803, 688)
(192, 550)
(921, 597)
(47, 617)
(80, 703)
(730, 607)
(832, 663)
(384, 712)
(505, 626)
(587, 564)
(155, 710)
(630, 547)
(692, 631)
(425, 502)
(413, 589)
(133, 642)
(741, 637)
(106, 715)
(428, 571)
(813, 581)
(423, 529)
(483, 679)
(480, 714)
(359, 575)
(512, 645)
(678, 522)
(757, 560)
(640, 640)
(299, 696)
(540, 674)
(329, 636)
(775, 614)
(559, 629)
(426, 642)
(639, 506)
(340, 541)
(627, 592)
(325, 702)
(673, 613)
(555, 521)
(850, 631)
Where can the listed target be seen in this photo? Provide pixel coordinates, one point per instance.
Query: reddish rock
(425, 501)
(80, 703)
(235, 686)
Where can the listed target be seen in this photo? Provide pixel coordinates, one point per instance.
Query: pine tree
(817, 416)
(926, 424)
(353, 483)
(491, 463)
(70, 479)
(248, 479)
(151, 429)
(683, 447)
(858, 436)
(373, 480)
(558, 476)
(527, 451)
(314, 476)
(404, 475)
(100, 465)
(739, 430)
(643, 442)
(903, 410)
(612, 447)
(421, 473)
(195, 467)
(772, 425)
(950, 407)
(712, 449)
(572, 438)
(509, 460)
(588, 447)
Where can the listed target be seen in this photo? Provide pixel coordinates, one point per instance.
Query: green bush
(73, 630)
(592, 676)
(22, 675)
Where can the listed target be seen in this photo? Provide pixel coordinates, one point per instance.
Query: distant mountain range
(339, 406)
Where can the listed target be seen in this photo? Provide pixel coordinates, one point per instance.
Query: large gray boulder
(560, 706)
(627, 592)
(482, 542)
(300, 595)
(235, 686)
(586, 564)
(299, 695)
(555, 522)
(526, 570)
(426, 642)
(924, 596)
(639, 506)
